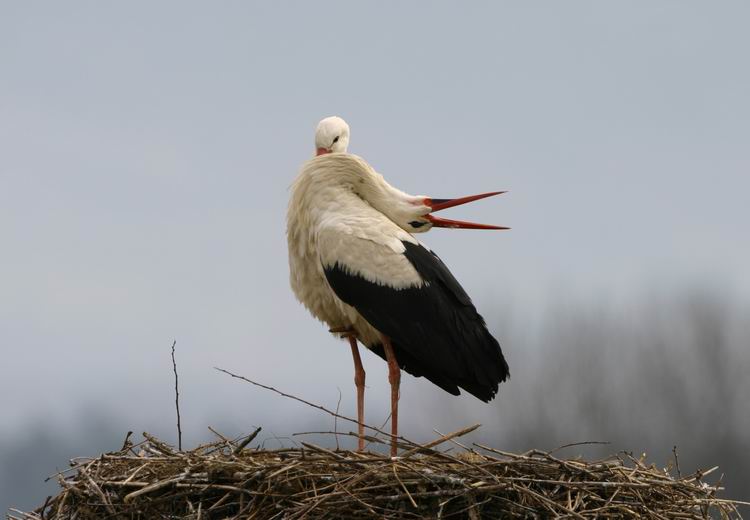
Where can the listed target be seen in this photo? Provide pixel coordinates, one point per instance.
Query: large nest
(226, 479)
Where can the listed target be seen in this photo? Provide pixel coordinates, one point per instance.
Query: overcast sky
(146, 150)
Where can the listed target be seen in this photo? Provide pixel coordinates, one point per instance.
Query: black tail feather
(483, 388)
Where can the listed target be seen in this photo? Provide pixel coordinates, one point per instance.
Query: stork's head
(332, 135)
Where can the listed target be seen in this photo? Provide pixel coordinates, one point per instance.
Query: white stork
(356, 266)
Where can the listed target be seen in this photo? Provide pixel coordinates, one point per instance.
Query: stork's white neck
(335, 176)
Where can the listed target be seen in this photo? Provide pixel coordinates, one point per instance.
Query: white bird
(356, 266)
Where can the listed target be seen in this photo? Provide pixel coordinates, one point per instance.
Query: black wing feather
(435, 329)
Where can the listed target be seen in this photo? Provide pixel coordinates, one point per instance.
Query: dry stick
(134, 473)
(462, 446)
(676, 462)
(247, 441)
(335, 420)
(25, 515)
(221, 501)
(98, 490)
(61, 503)
(411, 499)
(152, 487)
(367, 438)
(40, 511)
(126, 443)
(308, 403)
(157, 445)
(441, 440)
(226, 439)
(60, 473)
(582, 443)
(176, 398)
(349, 482)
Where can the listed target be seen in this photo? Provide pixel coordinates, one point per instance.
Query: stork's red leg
(359, 381)
(394, 378)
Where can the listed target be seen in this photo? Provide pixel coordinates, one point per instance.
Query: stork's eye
(336, 140)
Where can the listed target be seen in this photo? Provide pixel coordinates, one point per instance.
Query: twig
(126, 444)
(368, 438)
(152, 487)
(441, 440)
(583, 443)
(176, 398)
(313, 405)
(247, 441)
(226, 439)
(406, 490)
(336, 419)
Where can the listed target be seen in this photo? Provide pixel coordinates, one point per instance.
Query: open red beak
(440, 204)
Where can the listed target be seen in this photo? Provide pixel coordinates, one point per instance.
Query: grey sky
(146, 149)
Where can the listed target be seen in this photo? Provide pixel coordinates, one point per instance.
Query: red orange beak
(440, 204)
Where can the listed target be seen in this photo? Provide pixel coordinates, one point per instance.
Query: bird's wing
(406, 292)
